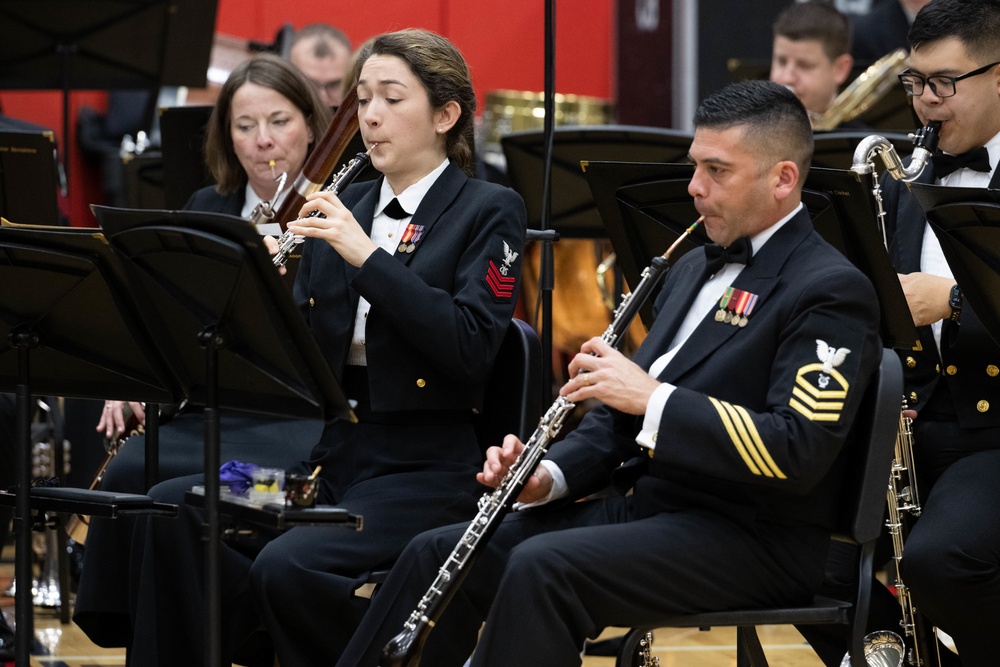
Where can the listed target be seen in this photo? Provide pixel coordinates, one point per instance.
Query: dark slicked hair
(774, 122)
(976, 23)
(816, 20)
(442, 71)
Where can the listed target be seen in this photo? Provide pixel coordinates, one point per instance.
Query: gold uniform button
(312, 302)
(911, 362)
(649, 453)
(913, 398)
(937, 368)
(992, 371)
(983, 406)
(421, 383)
(951, 370)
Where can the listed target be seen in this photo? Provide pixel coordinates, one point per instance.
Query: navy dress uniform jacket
(438, 314)
(209, 200)
(969, 361)
(757, 420)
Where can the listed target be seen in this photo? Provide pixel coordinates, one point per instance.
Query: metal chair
(870, 454)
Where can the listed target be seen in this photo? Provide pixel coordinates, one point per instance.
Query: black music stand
(835, 149)
(96, 44)
(67, 328)
(573, 211)
(646, 207)
(223, 312)
(967, 222)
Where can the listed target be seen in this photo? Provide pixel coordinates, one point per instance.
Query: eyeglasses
(942, 86)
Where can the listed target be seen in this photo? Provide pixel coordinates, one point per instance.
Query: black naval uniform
(731, 509)
(438, 315)
(952, 555)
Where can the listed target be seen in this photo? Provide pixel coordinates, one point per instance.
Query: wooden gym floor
(67, 646)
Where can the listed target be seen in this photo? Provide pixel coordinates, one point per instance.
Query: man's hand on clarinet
(498, 462)
(602, 372)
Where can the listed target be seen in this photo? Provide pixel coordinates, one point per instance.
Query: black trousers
(102, 601)
(951, 559)
(552, 577)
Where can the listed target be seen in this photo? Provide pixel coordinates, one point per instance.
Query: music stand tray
(573, 211)
(967, 222)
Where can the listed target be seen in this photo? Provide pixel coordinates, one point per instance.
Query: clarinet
(287, 241)
(403, 650)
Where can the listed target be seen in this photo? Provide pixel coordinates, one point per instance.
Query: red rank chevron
(502, 286)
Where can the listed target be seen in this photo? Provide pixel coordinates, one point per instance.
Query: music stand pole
(212, 341)
(24, 340)
(546, 278)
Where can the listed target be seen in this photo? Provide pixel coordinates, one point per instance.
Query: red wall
(502, 41)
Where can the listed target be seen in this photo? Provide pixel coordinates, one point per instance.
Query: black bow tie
(394, 210)
(739, 251)
(978, 159)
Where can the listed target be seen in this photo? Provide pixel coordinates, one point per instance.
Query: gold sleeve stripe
(724, 417)
(813, 416)
(745, 438)
(760, 443)
(814, 404)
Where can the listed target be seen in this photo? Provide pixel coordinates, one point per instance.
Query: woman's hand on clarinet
(338, 227)
(498, 462)
(271, 244)
(602, 372)
(113, 419)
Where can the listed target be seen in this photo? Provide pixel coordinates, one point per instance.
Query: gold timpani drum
(509, 111)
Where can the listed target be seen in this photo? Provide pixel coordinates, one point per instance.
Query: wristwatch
(955, 301)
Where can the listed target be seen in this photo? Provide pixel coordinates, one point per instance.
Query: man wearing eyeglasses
(951, 557)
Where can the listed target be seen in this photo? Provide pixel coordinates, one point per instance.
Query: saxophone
(904, 506)
(924, 144)
(646, 657)
(287, 241)
(886, 647)
(403, 650)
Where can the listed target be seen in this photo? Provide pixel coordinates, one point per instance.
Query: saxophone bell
(882, 649)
